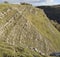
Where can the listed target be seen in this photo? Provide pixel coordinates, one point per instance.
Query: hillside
(25, 31)
(52, 12)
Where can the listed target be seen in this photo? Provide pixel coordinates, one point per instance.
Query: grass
(17, 51)
(32, 24)
(43, 25)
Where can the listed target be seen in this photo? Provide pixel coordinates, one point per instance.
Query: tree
(25, 3)
(6, 2)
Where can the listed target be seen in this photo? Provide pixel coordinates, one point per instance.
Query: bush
(6, 2)
(25, 4)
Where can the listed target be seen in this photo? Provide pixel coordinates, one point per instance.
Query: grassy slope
(17, 51)
(40, 22)
(53, 13)
(9, 50)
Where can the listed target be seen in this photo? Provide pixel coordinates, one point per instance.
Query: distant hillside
(25, 31)
(53, 12)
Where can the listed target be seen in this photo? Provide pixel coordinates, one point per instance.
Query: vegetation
(26, 4)
(56, 24)
(6, 2)
(52, 12)
(7, 50)
(26, 32)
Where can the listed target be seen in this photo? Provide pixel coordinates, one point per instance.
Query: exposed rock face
(19, 30)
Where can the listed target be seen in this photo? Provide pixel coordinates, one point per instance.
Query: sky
(35, 2)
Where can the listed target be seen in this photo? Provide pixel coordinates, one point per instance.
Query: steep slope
(53, 12)
(25, 31)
